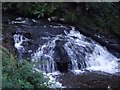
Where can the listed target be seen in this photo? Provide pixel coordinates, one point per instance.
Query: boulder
(61, 56)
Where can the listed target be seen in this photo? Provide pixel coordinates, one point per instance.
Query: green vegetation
(15, 75)
(102, 15)
(70, 16)
(106, 16)
(43, 9)
(30, 9)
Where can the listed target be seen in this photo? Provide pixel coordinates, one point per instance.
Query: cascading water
(61, 52)
(18, 40)
(45, 55)
(78, 52)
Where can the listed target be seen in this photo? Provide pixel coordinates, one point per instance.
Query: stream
(61, 52)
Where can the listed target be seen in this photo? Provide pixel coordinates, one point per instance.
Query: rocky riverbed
(86, 79)
(90, 80)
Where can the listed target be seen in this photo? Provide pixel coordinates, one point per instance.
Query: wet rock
(61, 53)
(23, 21)
(55, 19)
(90, 80)
(61, 56)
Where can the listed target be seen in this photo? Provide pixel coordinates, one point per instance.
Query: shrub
(105, 15)
(30, 9)
(20, 75)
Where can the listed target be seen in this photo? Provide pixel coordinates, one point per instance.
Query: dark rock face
(61, 57)
(90, 80)
(61, 53)
(62, 67)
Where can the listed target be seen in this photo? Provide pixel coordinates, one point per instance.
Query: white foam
(78, 71)
(102, 60)
(53, 83)
(19, 39)
(56, 84)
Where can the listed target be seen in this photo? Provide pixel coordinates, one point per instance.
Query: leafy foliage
(42, 9)
(20, 75)
(104, 15)
(30, 9)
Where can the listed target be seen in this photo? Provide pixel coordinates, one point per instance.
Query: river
(69, 58)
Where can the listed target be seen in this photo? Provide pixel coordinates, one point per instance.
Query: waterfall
(45, 55)
(19, 40)
(83, 52)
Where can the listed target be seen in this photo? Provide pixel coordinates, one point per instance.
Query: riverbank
(49, 33)
(100, 21)
(90, 80)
